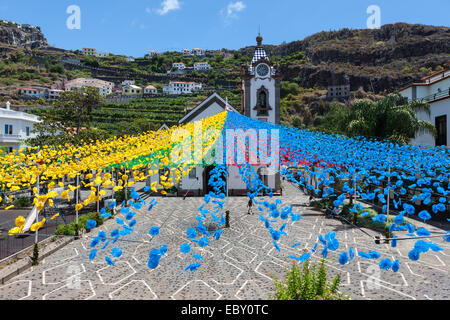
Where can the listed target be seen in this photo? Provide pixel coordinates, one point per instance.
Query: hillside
(377, 60)
(21, 35)
(372, 62)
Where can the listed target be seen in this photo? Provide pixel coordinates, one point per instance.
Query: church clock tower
(261, 100)
(261, 87)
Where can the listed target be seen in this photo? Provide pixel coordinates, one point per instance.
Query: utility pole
(388, 198)
(36, 236)
(77, 196)
(228, 174)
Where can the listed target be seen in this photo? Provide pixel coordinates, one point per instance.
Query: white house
(131, 90)
(150, 90)
(198, 52)
(54, 94)
(152, 53)
(31, 93)
(104, 87)
(179, 87)
(93, 52)
(186, 53)
(89, 52)
(435, 90)
(16, 126)
(179, 66)
(202, 66)
(128, 82)
(102, 54)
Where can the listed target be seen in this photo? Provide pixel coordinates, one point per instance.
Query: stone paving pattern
(235, 267)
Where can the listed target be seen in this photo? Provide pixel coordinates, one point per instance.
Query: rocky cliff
(21, 35)
(376, 60)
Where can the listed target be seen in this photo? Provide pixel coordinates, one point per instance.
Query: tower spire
(259, 40)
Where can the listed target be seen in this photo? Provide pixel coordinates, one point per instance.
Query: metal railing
(437, 95)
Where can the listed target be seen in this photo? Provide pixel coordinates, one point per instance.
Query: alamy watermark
(256, 147)
(73, 277)
(73, 22)
(374, 20)
(373, 281)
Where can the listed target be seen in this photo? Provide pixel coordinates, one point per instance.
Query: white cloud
(234, 7)
(167, 6)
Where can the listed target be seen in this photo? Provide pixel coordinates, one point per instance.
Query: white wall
(193, 184)
(423, 91)
(212, 110)
(438, 108)
(269, 84)
(19, 121)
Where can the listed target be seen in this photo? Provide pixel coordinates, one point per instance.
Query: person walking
(250, 205)
(335, 212)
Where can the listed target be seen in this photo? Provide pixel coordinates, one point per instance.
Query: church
(260, 94)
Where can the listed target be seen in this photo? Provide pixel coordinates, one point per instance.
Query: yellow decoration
(20, 221)
(54, 216)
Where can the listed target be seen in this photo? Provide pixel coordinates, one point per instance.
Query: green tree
(90, 61)
(78, 104)
(393, 118)
(72, 111)
(57, 68)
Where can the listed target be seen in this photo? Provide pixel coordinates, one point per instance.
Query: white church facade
(260, 94)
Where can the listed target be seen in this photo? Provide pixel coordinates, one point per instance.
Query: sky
(135, 27)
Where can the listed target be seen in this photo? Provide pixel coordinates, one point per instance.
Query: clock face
(262, 70)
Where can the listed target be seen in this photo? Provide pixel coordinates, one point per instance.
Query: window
(262, 99)
(27, 129)
(193, 173)
(163, 172)
(262, 105)
(8, 129)
(441, 127)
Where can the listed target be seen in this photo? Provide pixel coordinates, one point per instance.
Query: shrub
(83, 219)
(120, 195)
(22, 202)
(71, 229)
(57, 68)
(407, 70)
(308, 283)
(65, 230)
(322, 203)
(35, 256)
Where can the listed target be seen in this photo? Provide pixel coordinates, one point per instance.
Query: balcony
(9, 137)
(435, 96)
(438, 77)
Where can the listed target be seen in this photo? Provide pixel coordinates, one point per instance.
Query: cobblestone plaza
(235, 267)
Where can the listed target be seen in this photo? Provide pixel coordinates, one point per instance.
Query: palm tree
(393, 118)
